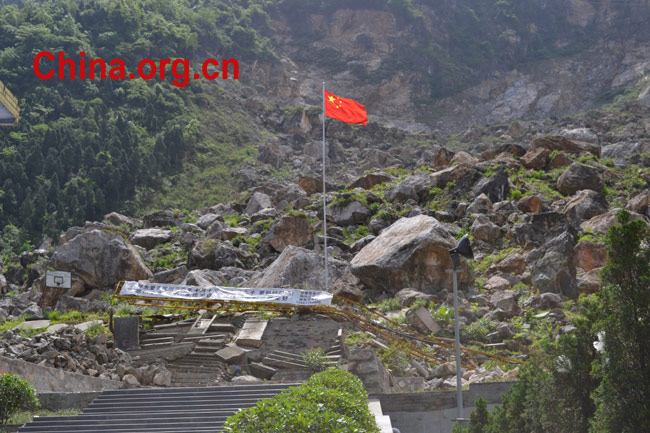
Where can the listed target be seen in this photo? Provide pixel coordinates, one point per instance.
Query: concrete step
(226, 389)
(159, 410)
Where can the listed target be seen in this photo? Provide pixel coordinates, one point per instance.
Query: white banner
(219, 293)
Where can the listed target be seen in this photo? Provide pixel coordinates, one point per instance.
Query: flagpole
(324, 196)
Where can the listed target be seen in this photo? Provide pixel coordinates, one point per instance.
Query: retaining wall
(434, 412)
(47, 379)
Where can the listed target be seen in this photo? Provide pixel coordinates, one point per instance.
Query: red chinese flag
(345, 110)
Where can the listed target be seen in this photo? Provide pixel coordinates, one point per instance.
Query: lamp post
(462, 249)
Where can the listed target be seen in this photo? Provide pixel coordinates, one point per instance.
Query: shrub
(390, 304)
(15, 394)
(315, 359)
(333, 401)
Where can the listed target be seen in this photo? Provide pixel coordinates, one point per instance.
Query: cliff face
(462, 62)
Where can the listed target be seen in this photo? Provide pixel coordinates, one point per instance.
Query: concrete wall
(433, 412)
(67, 400)
(299, 333)
(46, 379)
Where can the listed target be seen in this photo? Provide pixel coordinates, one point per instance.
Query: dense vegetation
(333, 401)
(85, 147)
(595, 379)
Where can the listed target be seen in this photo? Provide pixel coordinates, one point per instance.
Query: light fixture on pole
(464, 249)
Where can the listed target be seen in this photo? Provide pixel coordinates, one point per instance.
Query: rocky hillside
(535, 207)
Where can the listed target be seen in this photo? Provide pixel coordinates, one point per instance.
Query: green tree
(623, 397)
(15, 394)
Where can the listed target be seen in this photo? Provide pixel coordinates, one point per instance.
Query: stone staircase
(155, 410)
(287, 360)
(197, 370)
(201, 367)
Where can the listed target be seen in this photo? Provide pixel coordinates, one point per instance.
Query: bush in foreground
(15, 394)
(333, 401)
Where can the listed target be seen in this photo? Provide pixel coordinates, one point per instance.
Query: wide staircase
(158, 410)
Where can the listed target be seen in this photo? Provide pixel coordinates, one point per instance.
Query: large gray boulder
(560, 143)
(100, 259)
(411, 188)
(579, 176)
(299, 268)
(349, 214)
(586, 204)
(414, 253)
(624, 153)
(553, 268)
(290, 230)
(149, 238)
(368, 181)
(257, 202)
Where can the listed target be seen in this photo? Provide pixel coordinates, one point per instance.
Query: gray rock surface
(413, 253)
(100, 259)
(580, 176)
(290, 230)
(149, 238)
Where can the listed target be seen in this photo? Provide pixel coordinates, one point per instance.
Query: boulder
(639, 203)
(100, 259)
(171, 276)
(558, 142)
(414, 253)
(407, 297)
(257, 202)
(530, 204)
(412, 188)
(442, 157)
(560, 159)
(579, 176)
(511, 264)
(485, 230)
(586, 204)
(203, 278)
(202, 254)
(161, 219)
(481, 205)
(273, 153)
(589, 282)
(206, 220)
(421, 319)
(232, 354)
(552, 266)
(497, 283)
(624, 153)
(584, 135)
(601, 223)
(290, 230)
(462, 175)
(264, 214)
(149, 238)
(590, 255)
(463, 157)
(299, 268)
(163, 378)
(368, 181)
(118, 219)
(506, 301)
(314, 185)
(349, 214)
(545, 301)
(496, 188)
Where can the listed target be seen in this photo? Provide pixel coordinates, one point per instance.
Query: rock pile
(72, 350)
